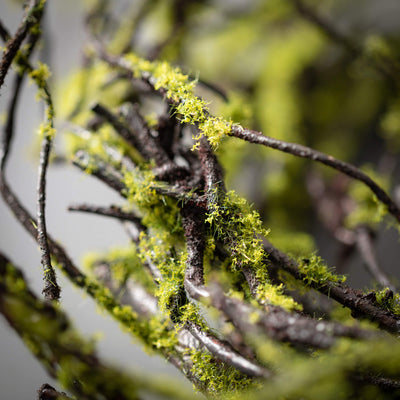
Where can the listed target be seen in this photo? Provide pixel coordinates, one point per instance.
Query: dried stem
(299, 150)
(113, 212)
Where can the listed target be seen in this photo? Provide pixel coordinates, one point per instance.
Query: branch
(385, 65)
(47, 392)
(360, 304)
(224, 352)
(299, 150)
(30, 19)
(112, 211)
(62, 350)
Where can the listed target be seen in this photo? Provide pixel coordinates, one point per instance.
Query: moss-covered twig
(360, 304)
(64, 353)
(31, 18)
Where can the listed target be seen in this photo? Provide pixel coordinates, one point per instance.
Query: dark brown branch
(47, 392)
(123, 130)
(299, 150)
(100, 170)
(112, 211)
(31, 18)
(51, 289)
(360, 304)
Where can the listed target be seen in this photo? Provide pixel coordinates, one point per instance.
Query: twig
(224, 352)
(51, 289)
(31, 18)
(315, 155)
(360, 304)
(366, 249)
(113, 212)
(47, 392)
(384, 64)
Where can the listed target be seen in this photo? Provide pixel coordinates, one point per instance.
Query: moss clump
(388, 300)
(217, 377)
(272, 294)
(179, 90)
(316, 273)
(233, 221)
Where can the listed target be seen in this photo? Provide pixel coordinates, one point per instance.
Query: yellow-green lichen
(240, 227)
(179, 90)
(273, 294)
(217, 377)
(40, 74)
(388, 300)
(316, 273)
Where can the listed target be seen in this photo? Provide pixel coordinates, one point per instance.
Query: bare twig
(47, 392)
(113, 212)
(315, 155)
(385, 65)
(366, 249)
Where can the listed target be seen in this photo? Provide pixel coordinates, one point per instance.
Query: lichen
(388, 300)
(316, 273)
(217, 377)
(179, 91)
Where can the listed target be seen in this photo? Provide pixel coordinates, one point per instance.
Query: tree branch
(299, 150)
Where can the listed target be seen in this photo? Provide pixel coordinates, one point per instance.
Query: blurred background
(283, 77)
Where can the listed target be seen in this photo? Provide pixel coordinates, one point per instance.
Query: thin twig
(299, 150)
(366, 249)
(385, 65)
(113, 212)
(47, 392)
(361, 305)
(224, 352)
(31, 18)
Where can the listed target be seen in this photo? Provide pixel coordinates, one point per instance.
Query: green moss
(316, 273)
(240, 227)
(273, 294)
(124, 262)
(388, 300)
(179, 90)
(217, 377)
